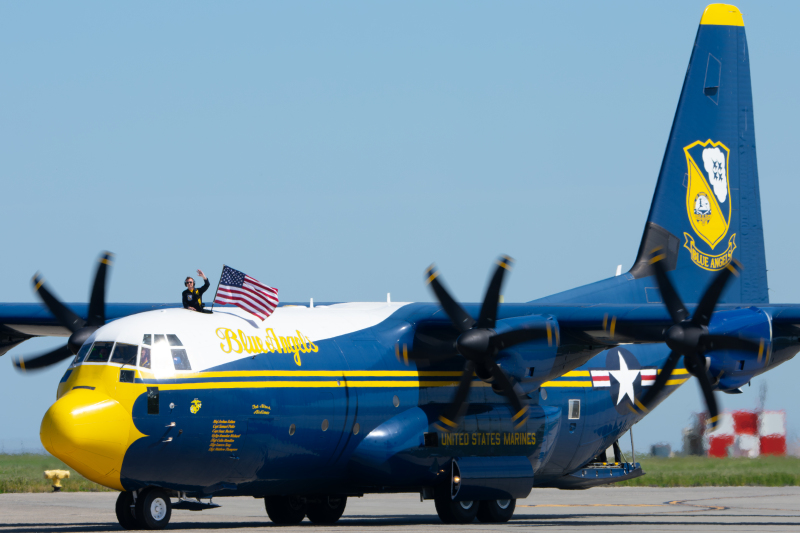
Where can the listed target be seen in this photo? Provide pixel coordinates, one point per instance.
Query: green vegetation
(25, 473)
(707, 472)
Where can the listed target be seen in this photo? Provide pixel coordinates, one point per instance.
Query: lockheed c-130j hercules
(469, 405)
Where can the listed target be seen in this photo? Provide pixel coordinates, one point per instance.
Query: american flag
(238, 288)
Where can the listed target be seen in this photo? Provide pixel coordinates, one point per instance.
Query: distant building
(738, 434)
(661, 450)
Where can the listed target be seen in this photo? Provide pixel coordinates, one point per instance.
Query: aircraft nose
(90, 432)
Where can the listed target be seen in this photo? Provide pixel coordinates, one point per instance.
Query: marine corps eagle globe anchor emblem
(708, 202)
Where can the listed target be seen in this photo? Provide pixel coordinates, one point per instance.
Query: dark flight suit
(193, 298)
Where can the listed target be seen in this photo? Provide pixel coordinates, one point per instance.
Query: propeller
(689, 337)
(81, 329)
(480, 343)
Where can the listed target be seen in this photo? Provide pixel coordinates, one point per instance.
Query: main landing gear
(465, 512)
(151, 509)
(290, 510)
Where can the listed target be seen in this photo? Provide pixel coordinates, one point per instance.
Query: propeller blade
(45, 360)
(661, 380)
(711, 401)
(449, 420)
(460, 318)
(702, 315)
(97, 301)
(672, 301)
(65, 316)
(724, 342)
(488, 315)
(513, 393)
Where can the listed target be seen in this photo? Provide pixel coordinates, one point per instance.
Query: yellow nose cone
(90, 432)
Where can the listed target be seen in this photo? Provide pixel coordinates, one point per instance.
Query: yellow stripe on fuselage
(309, 384)
(567, 384)
(588, 383)
(319, 374)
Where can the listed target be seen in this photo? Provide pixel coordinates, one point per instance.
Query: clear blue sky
(334, 150)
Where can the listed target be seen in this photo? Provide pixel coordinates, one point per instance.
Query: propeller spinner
(81, 329)
(689, 337)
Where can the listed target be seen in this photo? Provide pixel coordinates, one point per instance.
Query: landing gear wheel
(451, 512)
(326, 510)
(124, 509)
(496, 510)
(285, 510)
(153, 509)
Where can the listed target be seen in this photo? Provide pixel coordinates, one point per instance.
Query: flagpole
(216, 291)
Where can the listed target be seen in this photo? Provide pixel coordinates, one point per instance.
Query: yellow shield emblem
(708, 193)
(708, 202)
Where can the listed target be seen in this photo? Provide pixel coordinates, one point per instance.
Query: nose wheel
(125, 512)
(150, 510)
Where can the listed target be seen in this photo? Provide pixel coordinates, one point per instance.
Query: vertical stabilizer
(706, 210)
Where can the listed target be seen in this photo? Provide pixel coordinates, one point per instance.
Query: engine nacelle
(735, 368)
(533, 358)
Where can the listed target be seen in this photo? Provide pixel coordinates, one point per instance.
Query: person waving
(192, 298)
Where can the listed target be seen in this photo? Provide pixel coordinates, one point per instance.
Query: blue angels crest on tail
(708, 203)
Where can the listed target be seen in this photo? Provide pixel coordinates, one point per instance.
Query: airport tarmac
(600, 509)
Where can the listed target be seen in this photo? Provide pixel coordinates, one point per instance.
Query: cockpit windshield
(157, 349)
(100, 352)
(124, 354)
(82, 353)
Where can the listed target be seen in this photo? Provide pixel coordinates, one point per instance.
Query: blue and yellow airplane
(469, 405)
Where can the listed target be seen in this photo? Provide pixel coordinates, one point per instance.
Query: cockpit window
(160, 340)
(180, 359)
(100, 352)
(144, 360)
(146, 339)
(173, 340)
(82, 353)
(124, 354)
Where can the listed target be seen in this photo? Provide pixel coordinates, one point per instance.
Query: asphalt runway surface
(601, 509)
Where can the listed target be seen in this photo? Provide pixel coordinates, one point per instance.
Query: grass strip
(767, 471)
(25, 473)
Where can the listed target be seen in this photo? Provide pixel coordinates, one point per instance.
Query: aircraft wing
(22, 321)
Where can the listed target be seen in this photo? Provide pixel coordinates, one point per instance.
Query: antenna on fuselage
(311, 305)
(388, 297)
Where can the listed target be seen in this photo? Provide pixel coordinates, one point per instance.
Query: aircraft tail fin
(706, 210)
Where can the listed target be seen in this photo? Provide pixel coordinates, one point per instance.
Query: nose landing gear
(151, 509)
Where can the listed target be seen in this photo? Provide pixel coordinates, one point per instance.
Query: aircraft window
(146, 339)
(174, 341)
(82, 353)
(574, 409)
(124, 353)
(144, 362)
(159, 339)
(100, 352)
(180, 359)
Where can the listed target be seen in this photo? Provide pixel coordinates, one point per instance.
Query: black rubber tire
(285, 510)
(124, 510)
(451, 512)
(326, 510)
(495, 511)
(152, 501)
